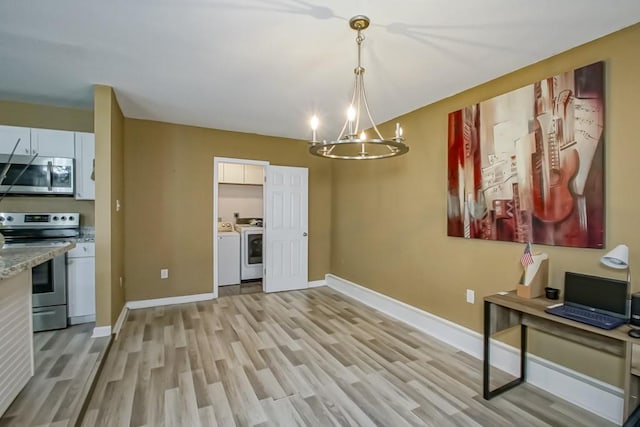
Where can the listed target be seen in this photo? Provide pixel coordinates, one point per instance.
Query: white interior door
(286, 227)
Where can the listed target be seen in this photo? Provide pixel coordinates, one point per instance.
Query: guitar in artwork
(555, 163)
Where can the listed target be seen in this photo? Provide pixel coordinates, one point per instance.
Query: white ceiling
(265, 66)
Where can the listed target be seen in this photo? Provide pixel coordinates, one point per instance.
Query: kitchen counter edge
(16, 260)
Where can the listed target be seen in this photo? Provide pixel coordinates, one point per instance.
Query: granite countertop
(81, 239)
(16, 259)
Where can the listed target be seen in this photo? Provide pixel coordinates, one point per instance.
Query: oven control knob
(71, 218)
(64, 218)
(55, 218)
(1, 219)
(9, 218)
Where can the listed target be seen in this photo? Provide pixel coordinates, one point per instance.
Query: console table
(506, 310)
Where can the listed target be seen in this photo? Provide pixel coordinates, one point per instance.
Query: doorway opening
(239, 214)
(271, 203)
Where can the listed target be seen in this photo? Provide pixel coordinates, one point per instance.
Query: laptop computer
(597, 301)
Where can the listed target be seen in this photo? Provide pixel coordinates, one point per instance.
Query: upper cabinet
(52, 143)
(236, 173)
(231, 173)
(85, 155)
(45, 142)
(8, 137)
(253, 174)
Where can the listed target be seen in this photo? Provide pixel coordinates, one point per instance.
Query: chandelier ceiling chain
(352, 142)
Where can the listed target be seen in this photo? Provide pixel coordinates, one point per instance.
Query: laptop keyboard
(586, 316)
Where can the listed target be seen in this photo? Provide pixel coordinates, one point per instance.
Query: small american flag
(526, 257)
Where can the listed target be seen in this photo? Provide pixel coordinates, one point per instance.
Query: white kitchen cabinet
(253, 174)
(237, 173)
(85, 155)
(81, 283)
(8, 137)
(52, 143)
(45, 142)
(231, 173)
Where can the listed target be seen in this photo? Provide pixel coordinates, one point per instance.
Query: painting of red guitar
(536, 173)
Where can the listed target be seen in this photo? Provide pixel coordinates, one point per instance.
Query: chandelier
(353, 143)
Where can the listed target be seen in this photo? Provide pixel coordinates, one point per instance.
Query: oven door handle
(50, 175)
(44, 313)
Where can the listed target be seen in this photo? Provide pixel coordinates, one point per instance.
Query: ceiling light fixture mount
(352, 142)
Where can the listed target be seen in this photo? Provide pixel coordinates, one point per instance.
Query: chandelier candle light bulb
(314, 127)
(350, 145)
(351, 116)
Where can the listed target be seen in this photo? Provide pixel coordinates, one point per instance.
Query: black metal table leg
(486, 366)
(487, 337)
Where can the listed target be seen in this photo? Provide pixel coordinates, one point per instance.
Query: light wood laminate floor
(240, 289)
(66, 362)
(312, 357)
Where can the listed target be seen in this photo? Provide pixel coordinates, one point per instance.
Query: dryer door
(254, 247)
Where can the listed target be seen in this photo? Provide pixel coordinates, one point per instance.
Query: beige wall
(109, 221)
(117, 207)
(47, 117)
(169, 203)
(389, 218)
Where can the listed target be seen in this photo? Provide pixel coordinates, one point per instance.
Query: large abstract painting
(528, 166)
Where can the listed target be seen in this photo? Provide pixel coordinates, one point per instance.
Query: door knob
(304, 234)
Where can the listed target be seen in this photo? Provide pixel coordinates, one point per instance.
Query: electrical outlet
(471, 296)
(164, 273)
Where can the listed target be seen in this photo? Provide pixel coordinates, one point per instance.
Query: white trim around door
(214, 219)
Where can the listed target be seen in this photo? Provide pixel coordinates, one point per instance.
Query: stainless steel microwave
(45, 175)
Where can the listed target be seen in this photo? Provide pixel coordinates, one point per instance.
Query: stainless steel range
(49, 280)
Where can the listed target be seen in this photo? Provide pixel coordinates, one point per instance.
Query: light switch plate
(164, 273)
(471, 296)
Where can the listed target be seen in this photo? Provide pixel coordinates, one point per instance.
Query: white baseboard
(101, 331)
(77, 320)
(168, 301)
(586, 392)
(317, 283)
(131, 305)
(121, 319)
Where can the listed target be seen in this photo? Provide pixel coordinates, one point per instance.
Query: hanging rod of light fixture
(353, 143)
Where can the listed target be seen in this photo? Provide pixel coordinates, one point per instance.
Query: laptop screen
(608, 296)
